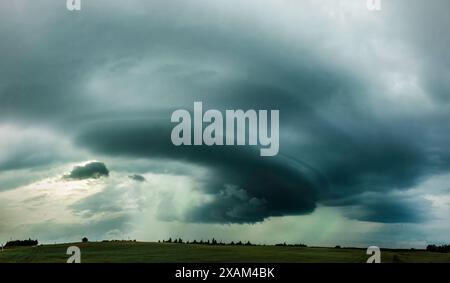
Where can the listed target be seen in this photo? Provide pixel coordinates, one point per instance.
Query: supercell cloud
(363, 99)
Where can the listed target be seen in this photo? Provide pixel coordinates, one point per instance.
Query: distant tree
(239, 243)
(439, 249)
(232, 243)
(194, 242)
(21, 243)
(337, 247)
(248, 243)
(180, 241)
(84, 240)
(214, 242)
(170, 240)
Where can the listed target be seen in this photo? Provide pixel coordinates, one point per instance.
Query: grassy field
(139, 252)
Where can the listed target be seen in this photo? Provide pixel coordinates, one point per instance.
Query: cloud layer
(363, 100)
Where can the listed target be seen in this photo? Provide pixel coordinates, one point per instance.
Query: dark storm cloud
(390, 211)
(248, 188)
(137, 178)
(267, 187)
(234, 205)
(351, 149)
(51, 81)
(96, 74)
(372, 160)
(386, 207)
(93, 170)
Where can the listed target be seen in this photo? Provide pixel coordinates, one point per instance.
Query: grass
(142, 252)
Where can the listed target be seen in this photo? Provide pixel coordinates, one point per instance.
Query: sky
(86, 99)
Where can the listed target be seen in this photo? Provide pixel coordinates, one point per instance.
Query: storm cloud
(93, 170)
(363, 99)
(137, 178)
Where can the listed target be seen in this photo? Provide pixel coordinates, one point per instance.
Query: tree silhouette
(21, 243)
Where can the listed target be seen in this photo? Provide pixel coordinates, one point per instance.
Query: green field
(140, 252)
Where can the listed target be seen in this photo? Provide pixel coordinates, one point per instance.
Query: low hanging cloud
(279, 186)
(92, 170)
(137, 178)
(233, 205)
(384, 207)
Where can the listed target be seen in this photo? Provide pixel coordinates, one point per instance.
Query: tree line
(21, 243)
(439, 249)
(214, 242)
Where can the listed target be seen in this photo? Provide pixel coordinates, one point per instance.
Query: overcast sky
(364, 99)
